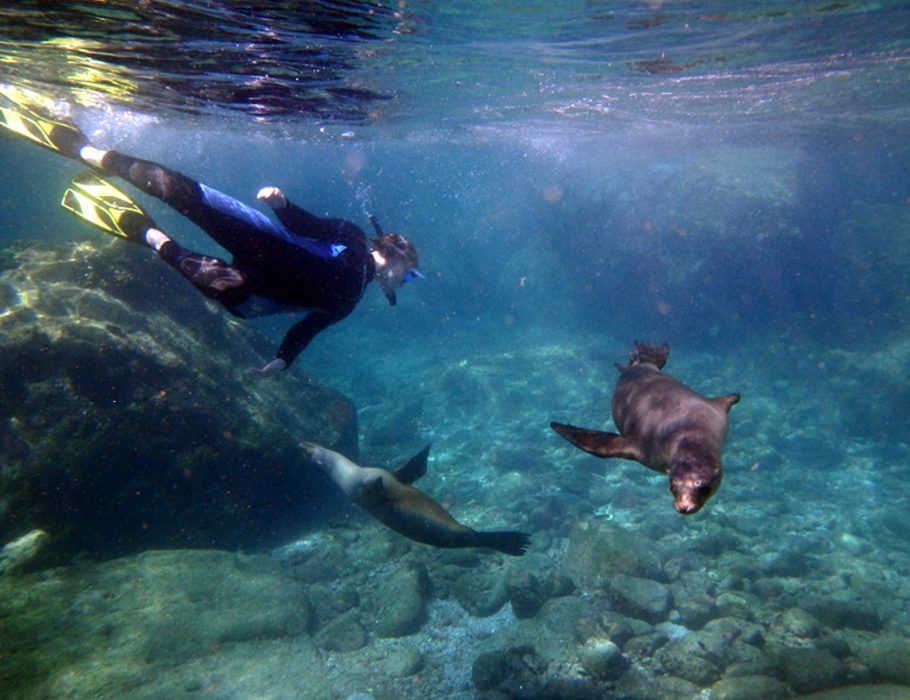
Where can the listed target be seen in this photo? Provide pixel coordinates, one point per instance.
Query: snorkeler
(306, 263)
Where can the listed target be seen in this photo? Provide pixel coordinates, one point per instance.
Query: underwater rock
(602, 658)
(641, 597)
(807, 669)
(378, 545)
(331, 601)
(344, 633)
(403, 662)
(549, 664)
(637, 684)
(703, 657)
(16, 554)
(513, 673)
(693, 600)
(127, 417)
(889, 660)
(738, 604)
(521, 671)
(481, 592)
(839, 611)
(690, 658)
(863, 692)
(801, 624)
(644, 646)
(620, 628)
(532, 581)
(748, 688)
(161, 620)
(399, 601)
(835, 645)
(600, 549)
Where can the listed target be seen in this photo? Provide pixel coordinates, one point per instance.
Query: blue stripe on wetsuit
(239, 210)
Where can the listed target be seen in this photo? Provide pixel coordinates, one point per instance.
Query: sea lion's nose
(685, 507)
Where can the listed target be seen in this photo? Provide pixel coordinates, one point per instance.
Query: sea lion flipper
(726, 402)
(512, 543)
(373, 492)
(598, 442)
(414, 468)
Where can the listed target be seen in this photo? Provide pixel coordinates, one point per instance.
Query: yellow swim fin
(30, 118)
(97, 201)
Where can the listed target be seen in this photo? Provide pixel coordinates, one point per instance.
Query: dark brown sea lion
(663, 424)
(390, 498)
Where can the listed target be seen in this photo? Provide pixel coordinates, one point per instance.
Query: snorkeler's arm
(300, 222)
(301, 333)
(296, 219)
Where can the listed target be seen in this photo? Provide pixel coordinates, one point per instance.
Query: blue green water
(731, 178)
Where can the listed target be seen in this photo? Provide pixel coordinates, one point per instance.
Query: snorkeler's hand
(271, 368)
(273, 197)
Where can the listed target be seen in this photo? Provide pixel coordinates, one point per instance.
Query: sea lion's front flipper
(599, 442)
(726, 402)
(414, 468)
(373, 492)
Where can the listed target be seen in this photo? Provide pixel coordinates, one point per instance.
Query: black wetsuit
(307, 263)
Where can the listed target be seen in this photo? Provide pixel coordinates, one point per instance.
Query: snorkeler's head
(396, 263)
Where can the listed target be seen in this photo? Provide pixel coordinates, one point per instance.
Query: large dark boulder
(127, 417)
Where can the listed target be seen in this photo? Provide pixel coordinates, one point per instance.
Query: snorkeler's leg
(215, 278)
(101, 204)
(171, 187)
(240, 229)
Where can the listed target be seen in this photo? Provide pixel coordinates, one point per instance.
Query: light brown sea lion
(390, 498)
(663, 424)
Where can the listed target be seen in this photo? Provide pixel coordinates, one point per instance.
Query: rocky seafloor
(791, 582)
(127, 417)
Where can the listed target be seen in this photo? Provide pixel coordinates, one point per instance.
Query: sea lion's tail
(512, 543)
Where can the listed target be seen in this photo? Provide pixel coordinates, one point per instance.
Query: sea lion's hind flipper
(649, 354)
(598, 442)
(414, 468)
(726, 402)
(512, 543)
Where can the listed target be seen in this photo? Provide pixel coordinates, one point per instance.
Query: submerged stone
(642, 598)
(127, 417)
(480, 592)
(344, 633)
(748, 688)
(149, 625)
(807, 669)
(800, 623)
(399, 603)
(839, 612)
(532, 581)
(889, 660)
(602, 658)
(600, 549)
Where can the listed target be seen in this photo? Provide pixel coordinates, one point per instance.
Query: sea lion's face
(691, 488)
(316, 454)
